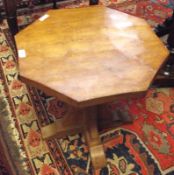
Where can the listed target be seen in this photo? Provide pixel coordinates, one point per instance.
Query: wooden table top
(87, 56)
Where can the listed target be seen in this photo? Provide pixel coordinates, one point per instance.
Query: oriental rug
(145, 147)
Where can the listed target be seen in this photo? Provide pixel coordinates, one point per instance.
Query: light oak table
(87, 57)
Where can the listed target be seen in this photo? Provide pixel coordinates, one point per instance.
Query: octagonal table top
(87, 56)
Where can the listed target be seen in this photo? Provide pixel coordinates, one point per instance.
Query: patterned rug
(154, 11)
(145, 147)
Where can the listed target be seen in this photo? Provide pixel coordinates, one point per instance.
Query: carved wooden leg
(10, 9)
(92, 137)
(78, 120)
(93, 2)
(54, 4)
(108, 119)
(71, 123)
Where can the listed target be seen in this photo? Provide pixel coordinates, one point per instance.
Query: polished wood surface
(87, 55)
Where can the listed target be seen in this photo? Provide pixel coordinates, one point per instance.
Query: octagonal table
(87, 57)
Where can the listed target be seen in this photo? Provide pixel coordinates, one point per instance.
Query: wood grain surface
(87, 56)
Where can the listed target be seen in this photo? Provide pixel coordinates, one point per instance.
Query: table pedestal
(80, 120)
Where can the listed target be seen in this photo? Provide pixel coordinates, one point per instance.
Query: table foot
(76, 121)
(96, 148)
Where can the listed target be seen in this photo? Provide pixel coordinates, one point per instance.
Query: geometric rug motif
(143, 147)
